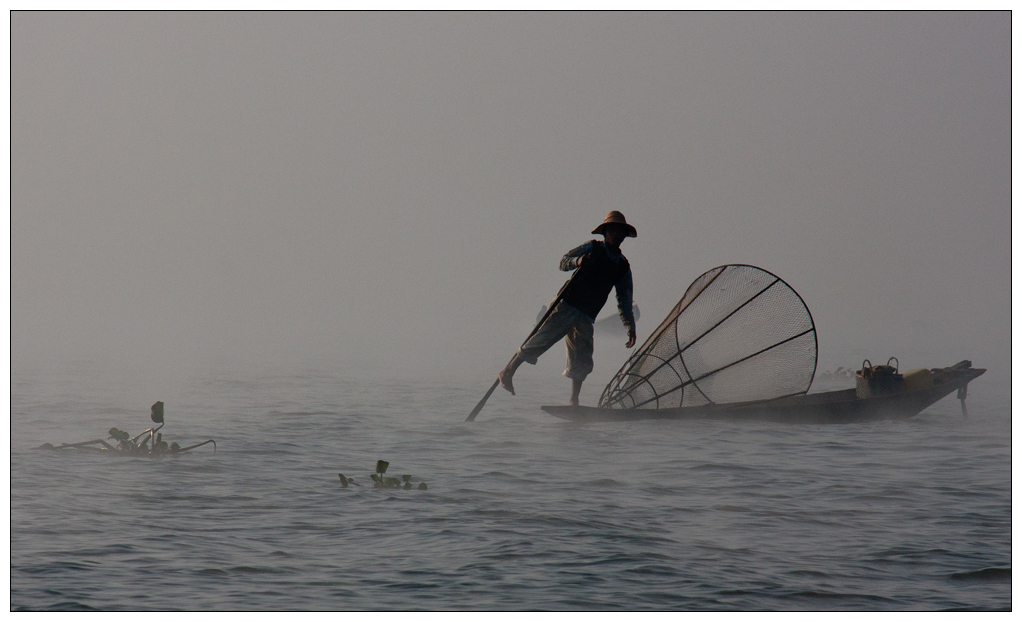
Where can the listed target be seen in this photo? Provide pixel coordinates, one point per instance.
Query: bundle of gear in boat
(880, 380)
(148, 443)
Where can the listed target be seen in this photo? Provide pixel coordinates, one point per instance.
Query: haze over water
(522, 511)
(318, 236)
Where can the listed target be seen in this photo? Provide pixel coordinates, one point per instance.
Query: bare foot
(505, 381)
(576, 389)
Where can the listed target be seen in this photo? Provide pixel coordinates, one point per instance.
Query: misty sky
(394, 191)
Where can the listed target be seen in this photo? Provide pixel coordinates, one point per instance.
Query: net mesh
(739, 334)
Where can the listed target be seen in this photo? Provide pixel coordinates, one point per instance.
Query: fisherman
(600, 267)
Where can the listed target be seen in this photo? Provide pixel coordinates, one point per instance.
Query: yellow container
(916, 379)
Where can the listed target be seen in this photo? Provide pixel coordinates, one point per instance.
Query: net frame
(637, 385)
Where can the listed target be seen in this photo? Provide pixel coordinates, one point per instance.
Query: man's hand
(631, 338)
(585, 260)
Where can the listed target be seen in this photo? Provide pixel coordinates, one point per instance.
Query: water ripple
(522, 511)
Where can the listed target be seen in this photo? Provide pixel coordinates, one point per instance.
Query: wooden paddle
(560, 294)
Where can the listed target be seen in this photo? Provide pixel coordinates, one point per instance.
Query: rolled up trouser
(576, 329)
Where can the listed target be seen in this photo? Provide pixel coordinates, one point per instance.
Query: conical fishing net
(739, 334)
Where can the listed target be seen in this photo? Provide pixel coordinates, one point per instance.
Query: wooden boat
(814, 408)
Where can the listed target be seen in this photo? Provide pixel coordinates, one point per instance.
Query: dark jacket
(590, 288)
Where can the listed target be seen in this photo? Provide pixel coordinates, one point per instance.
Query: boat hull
(815, 408)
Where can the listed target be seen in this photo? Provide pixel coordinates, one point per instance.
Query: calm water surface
(523, 511)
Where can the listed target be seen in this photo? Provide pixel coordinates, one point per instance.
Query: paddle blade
(482, 402)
